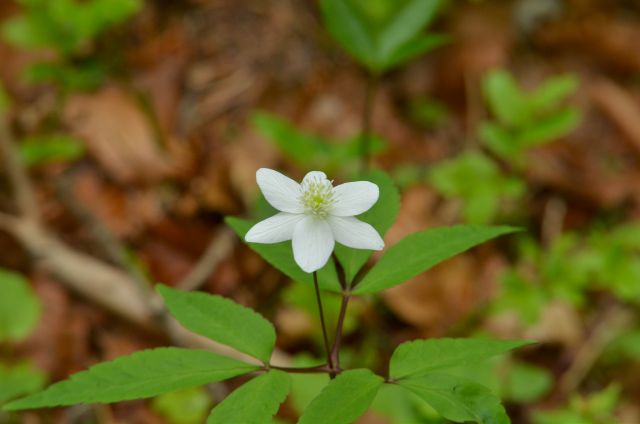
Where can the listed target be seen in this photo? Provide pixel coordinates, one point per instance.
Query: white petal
(354, 198)
(275, 229)
(314, 175)
(354, 233)
(312, 243)
(280, 191)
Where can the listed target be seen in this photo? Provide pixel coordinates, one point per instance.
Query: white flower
(314, 215)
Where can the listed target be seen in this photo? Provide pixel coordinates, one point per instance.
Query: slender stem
(322, 321)
(304, 370)
(335, 351)
(342, 279)
(367, 113)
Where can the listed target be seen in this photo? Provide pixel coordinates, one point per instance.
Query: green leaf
(19, 380)
(189, 406)
(222, 320)
(280, 255)
(349, 29)
(526, 383)
(458, 399)
(302, 148)
(416, 47)
(420, 251)
(553, 91)
(255, 402)
(20, 309)
(140, 375)
(423, 356)
(53, 148)
(381, 216)
(499, 140)
(408, 21)
(344, 399)
(506, 100)
(384, 35)
(550, 128)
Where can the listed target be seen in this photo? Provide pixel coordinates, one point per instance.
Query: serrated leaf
(222, 320)
(381, 216)
(140, 375)
(458, 399)
(420, 251)
(19, 380)
(255, 402)
(423, 356)
(344, 399)
(20, 309)
(280, 255)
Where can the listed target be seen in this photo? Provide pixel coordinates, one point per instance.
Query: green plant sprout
(20, 312)
(570, 268)
(311, 150)
(69, 28)
(420, 367)
(489, 182)
(381, 35)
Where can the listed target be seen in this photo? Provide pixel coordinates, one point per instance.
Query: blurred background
(129, 129)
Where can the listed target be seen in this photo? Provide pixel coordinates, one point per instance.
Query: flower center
(317, 196)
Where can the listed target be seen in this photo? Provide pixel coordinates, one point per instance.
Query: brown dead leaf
(120, 136)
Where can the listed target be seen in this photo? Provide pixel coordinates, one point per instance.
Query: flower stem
(322, 321)
(335, 350)
(367, 113)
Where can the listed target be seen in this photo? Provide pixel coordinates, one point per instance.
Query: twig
(219, 247)
(17, 174)
(114, 249)
(615, 319)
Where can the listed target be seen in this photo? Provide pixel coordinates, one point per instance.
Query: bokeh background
(131, 128)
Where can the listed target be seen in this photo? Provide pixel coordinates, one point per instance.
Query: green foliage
(428, 112)
(344, 399)
(40, 150)
(525, 383)
(189, 406)
(255, 402)
(381, 216)
(424, 356)
(311, 151)
(570, 268)
(19, 380)
(382, 34)
(222, 320)
(598, 408)
(526, 120)
(140, 375)
(479, 183)
(66, 25)
(69, 27)
(280, 256)
(20, 309)
(421, 251)
(458, 399)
